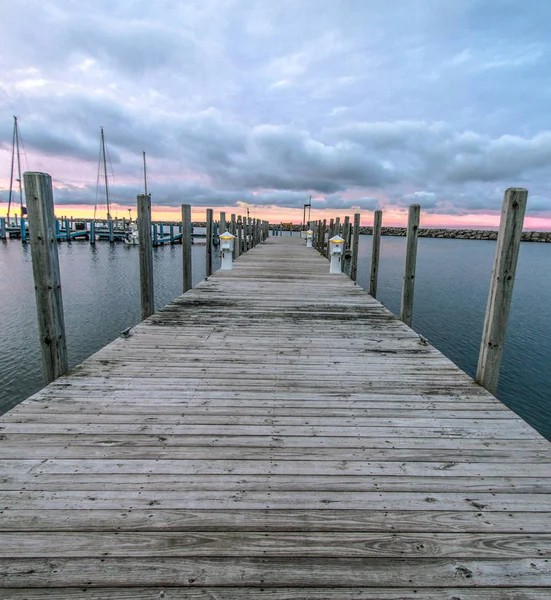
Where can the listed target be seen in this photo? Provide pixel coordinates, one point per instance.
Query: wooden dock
(273, 433)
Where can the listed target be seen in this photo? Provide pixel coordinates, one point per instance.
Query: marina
(215, 448)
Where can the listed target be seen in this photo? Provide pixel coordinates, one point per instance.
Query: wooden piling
(146, 256)
(346, 236)
(2, 228)
(377, 225)
(186, 247)
(330, 234)
(355, 246)
(234, 233)
(239, 236)
(406, 311)
(222, 228)
(68, 230)
(47, 281)
(209, 234)
(501, 287)
(110, 228)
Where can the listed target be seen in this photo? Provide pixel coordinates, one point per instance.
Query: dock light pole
(47, 281)
(501, 287)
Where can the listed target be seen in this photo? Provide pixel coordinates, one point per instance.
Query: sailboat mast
(105, 174)
(12, 165)
(16, 129)
(144, 173)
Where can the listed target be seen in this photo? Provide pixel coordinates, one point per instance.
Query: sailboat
(16, 154)
(132, 237)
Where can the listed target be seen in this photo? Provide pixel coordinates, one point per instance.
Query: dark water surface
(452, 283)
(101, 298)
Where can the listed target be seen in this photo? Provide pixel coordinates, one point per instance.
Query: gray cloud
(267, 103)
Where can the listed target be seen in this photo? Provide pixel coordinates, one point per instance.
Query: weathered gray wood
(274, 428)
(186, 247)
(406, 310)
(282, 593)
(355, 247)
(346, 236)
(222, 223)
(330, 234)
(210, 234)
(239, 236)
(146, 256)
(501, 287)
(234, 226)
(377, 223)
(47, 280)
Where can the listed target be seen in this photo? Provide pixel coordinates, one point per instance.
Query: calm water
(101, 298)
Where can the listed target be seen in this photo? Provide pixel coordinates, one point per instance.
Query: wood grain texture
(274, 432)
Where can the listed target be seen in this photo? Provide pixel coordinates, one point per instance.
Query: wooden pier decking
(273, 433)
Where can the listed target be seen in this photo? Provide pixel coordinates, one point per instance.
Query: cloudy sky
(361, 104)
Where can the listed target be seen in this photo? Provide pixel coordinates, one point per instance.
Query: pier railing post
(355, 245)
(377, 223)
(239, 236)
(346, 236)
(501, 287)
(234, 232)
(146, 255)
(406, 311)
(186, 247)
(47, 281)
(210, 234)
(330, 234)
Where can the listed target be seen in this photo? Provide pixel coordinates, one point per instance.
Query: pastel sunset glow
(360, 105)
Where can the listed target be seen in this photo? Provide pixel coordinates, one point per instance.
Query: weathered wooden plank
(300, 593)
(372, 520)
(259, 500)
(327, 544)
(261, 572)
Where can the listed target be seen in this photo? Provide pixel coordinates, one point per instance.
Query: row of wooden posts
(501, 287)
(45, 262)
(249, 233)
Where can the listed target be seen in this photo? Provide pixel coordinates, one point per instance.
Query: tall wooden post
(209, 233)
(92, 232)
(234, 232)
(406, 311)
(222, 223)
(110, 229)
(330, 235)
(501, 287)
(355, 247)
(67, 229)
(186, 247)
(239, 236)
(2, 228)
(146, 256)
(323, 236)
(346, 236)
(377, 223)
(47, 281)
